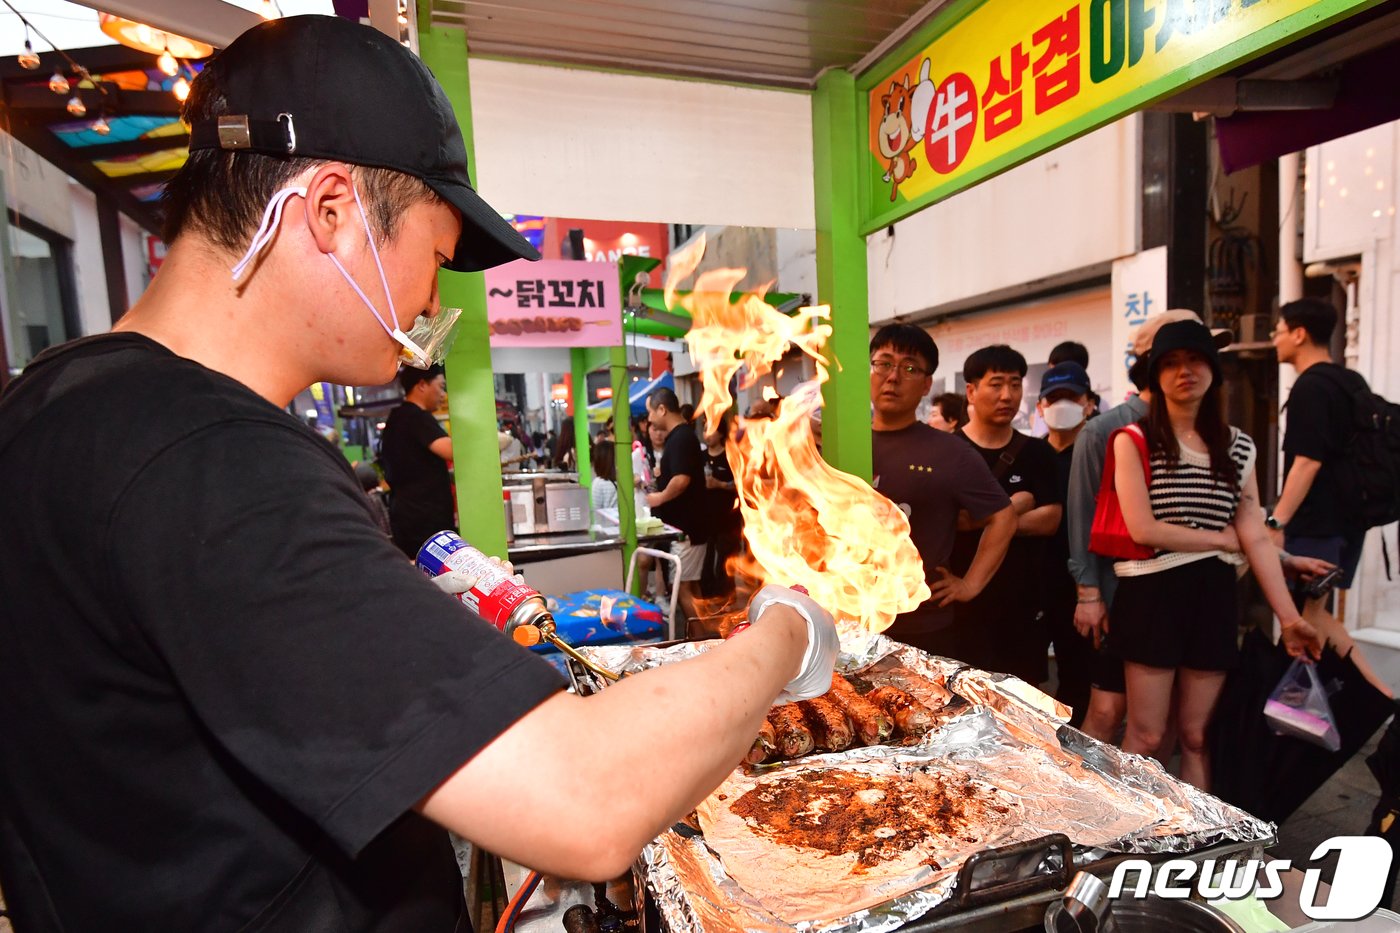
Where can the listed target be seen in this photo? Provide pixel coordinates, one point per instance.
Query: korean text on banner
(1139, 288)
(554, 303)
(1003, 82)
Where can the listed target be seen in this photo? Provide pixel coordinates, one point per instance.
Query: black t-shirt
(1058, 584)
(421, 500)
(222, 690)
(724, 513)
(1014, 590)
(1319, 425)
(931, 475)
(681, 455)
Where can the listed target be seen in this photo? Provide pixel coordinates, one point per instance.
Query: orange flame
(806, 522)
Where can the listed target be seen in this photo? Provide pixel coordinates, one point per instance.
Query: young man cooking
(1002, 630)
(226, 701)
(932, 476)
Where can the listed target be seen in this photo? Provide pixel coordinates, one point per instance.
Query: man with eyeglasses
(932, 476)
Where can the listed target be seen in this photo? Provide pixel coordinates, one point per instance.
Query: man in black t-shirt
(415, 451)
(1003, 628)
(226, 701)
(1308, 518)
(680, 498)
(932, 476)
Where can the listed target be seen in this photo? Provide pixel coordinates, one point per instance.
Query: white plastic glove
(454, 582)
(819, 661)
(922, 102)
(457, 582)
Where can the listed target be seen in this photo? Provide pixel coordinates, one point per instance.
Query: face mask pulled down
(1064, 415)
(430, 338)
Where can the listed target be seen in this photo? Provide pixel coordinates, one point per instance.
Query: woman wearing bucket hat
(1175, 612)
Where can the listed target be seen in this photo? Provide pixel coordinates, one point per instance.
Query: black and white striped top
(1185, 493)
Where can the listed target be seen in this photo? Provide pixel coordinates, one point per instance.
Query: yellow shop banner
(1004, 80)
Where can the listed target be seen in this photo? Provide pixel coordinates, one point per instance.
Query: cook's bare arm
(550, 792)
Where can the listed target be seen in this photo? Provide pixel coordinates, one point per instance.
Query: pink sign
(554, 303)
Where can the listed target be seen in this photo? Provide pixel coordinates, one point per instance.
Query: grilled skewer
(872, 725)
(793, 737)
(830, 728)
(764, 746)
(910, 716)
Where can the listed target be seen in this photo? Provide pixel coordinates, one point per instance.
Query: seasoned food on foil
(791, 737)
(830, 728)
(810, 842)
(910, 716)
(871, 723)
(844, 718)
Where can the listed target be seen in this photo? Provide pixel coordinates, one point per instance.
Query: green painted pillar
(583, 449)
(622, 426)
(841, 273)
(471, 389)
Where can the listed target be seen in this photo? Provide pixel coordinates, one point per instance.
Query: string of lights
(166, 62)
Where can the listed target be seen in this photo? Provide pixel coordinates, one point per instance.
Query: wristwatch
(1273, 523)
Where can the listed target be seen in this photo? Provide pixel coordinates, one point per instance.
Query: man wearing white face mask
(1065, 402)
(226, 700)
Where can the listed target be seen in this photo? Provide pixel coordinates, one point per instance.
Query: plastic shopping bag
(1298, 707)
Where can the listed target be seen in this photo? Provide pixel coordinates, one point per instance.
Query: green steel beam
(841, 273)
(471, 388)
(579, 390)
(622, 431)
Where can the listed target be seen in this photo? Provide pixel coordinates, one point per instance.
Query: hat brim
(487, 238)
(1067, 387)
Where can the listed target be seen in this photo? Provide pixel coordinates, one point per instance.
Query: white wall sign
(1139, 289)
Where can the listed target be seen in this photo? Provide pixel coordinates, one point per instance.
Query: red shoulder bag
(1109, 536)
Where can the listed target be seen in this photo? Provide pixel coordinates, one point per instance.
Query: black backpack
(1368, 472)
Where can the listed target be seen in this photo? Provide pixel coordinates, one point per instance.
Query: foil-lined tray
(999, 732)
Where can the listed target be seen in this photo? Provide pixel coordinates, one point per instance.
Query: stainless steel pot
(1155, 915)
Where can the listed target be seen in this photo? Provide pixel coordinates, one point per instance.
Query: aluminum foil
(998, 730)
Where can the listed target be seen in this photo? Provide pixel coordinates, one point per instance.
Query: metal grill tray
(1004, 722)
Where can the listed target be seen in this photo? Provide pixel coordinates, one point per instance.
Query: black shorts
(1106, 671)
(1187, 616)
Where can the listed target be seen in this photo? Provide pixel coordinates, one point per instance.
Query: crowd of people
(1131, 579)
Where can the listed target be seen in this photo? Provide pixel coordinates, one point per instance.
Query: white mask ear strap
(272, 216)
(374, 250)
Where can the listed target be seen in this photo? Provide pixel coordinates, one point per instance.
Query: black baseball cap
(1067, 374)
(322, 87)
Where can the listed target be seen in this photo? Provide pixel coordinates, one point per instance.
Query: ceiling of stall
(785, 43)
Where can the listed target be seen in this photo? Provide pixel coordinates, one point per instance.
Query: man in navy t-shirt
(932, 476)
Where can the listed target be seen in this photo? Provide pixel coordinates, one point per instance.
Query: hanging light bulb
(27, 59)
(267, 9)
(76, 106)
(167, 63)
(181, 89)
(58, 83)
(101, 127)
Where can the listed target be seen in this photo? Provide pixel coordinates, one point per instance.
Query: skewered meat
(830, 728)
(539, 324)
(910, 716)
(764, 746)
(871, 723)
(794, 739)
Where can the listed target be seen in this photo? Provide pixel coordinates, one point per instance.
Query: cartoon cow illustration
(895, 134)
